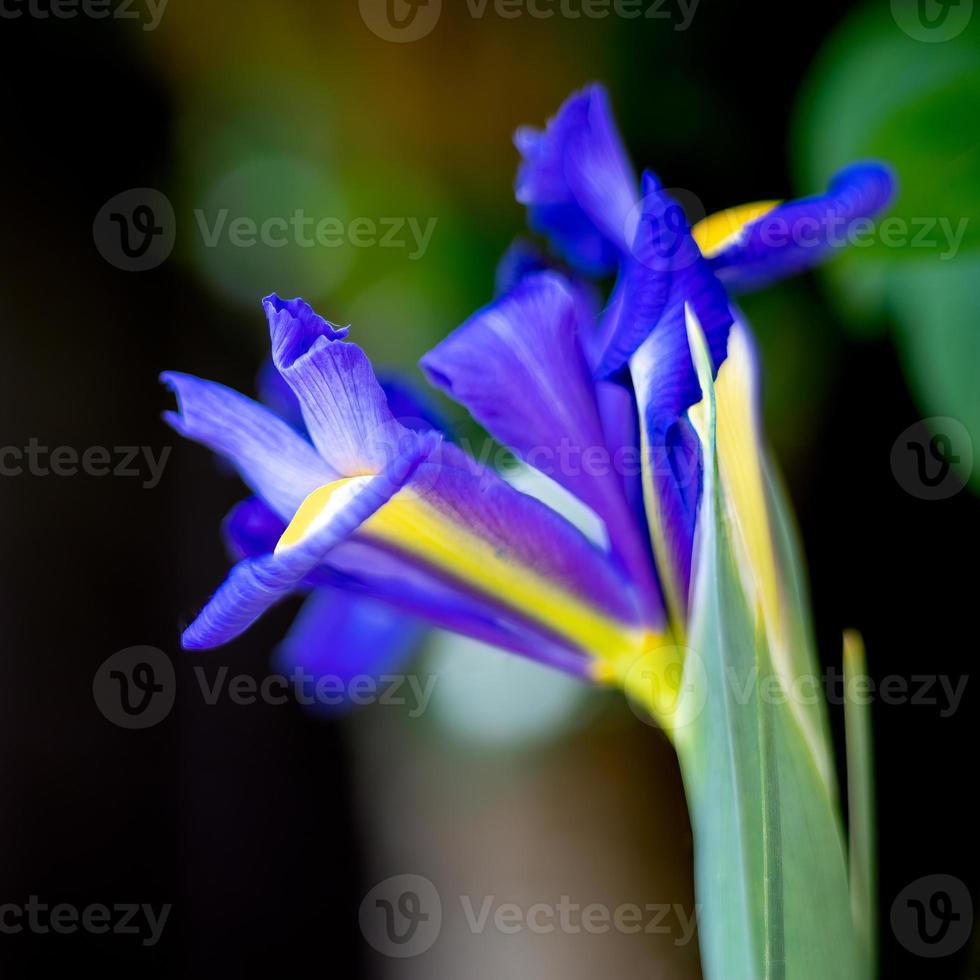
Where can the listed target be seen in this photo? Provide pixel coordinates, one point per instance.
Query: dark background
(245, 820)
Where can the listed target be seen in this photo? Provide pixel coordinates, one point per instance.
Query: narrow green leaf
(860, 805)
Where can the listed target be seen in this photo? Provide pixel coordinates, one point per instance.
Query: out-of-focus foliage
(876, 91)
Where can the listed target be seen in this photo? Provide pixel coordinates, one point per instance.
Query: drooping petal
(519, 367)
(370, 569)
(255, 584)
(753, 245)
(364, 571)
(344, 408)
(462, 523)
(272, 458)
(577, 182)
(339, 637)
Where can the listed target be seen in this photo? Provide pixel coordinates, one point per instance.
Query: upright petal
(577, 182)
(751, 246)
(665, 273)
(343, 406)
(519, 367)
(272, 458)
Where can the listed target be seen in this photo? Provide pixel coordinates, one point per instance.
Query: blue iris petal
(645, 328)
(664, 271)
(255, 584)
(577, 182)
(339, 637)
(798, 234)
(520, 369)
(272, 458)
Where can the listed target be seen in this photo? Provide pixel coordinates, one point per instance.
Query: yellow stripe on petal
(719, 230)
(740, 465)
(416, 528)
(322, 504)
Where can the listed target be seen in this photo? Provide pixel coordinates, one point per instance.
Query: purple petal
(251, 529)
(338, 637)
(798, 234)
(343, 405)
(577, 182)
(275, 394)
(665, 270)
(519, 367)
(276, 462)
(255, 584)
(412, 407)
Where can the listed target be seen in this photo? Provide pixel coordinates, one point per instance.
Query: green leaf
(860, 805)
(936, 309)
(876, 91)
(769, 856)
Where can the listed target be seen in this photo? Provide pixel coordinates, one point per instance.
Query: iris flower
(388, 524)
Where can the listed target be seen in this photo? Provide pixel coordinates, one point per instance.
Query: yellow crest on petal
(717, 231)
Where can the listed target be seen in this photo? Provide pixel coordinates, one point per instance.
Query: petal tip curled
(295, 328)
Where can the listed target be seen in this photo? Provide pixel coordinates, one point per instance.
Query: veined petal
(519, 367)
(272, 458)
(276, 394)
(467, 526)
(362, 570)
(753, 245)
(344, 408)
(411, 407)
(577, 181)
(255, 584)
